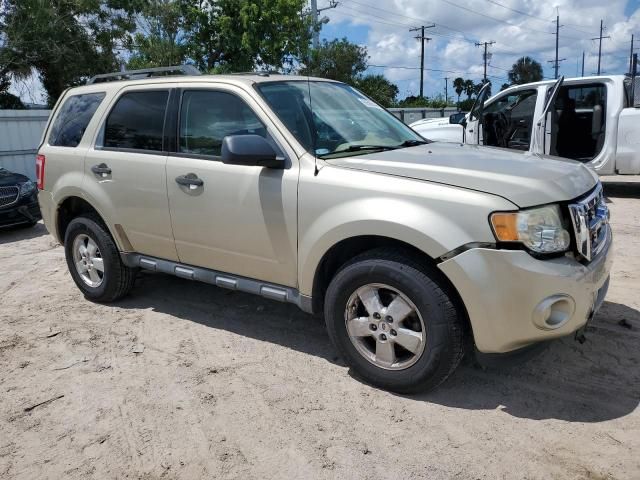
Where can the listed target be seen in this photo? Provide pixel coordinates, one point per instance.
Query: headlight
(27, 188)
(539, 229)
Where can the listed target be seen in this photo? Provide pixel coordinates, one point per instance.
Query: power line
(391, 22)
(518, 11)
(493, 18)
(458, 72)
(420, 20)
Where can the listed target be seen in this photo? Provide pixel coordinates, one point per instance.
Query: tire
(435, 319)
(115, 280)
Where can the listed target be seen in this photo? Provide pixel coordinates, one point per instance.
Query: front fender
(431, 217)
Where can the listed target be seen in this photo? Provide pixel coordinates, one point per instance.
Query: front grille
(590, 219)
(8, 196)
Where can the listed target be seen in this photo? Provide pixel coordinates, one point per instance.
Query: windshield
(338, 120)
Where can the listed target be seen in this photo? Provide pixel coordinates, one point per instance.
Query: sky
(525, 27)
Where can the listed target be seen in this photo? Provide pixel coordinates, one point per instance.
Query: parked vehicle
(594, 120)
(18, 200)
(303, 190)
(441, 129)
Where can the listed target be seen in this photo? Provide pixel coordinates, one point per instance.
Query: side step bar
(219, 279)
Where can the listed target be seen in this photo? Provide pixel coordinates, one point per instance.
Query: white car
(595, 120)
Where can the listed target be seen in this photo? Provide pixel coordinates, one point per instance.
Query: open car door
(541, 135)
(473, 127)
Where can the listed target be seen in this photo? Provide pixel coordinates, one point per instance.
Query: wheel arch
(72, 207)
(344, 250)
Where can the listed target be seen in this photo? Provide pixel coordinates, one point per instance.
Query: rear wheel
(94, 261)
(393, 323)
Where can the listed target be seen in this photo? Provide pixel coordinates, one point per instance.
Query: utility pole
(583, 63)
(557, 62)
(486, 57)
(422, 39)
(600, 45)
(315, 12)
(631, 57)
(446, 91)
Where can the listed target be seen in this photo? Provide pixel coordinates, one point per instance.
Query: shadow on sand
(22, 232)
(593, 382)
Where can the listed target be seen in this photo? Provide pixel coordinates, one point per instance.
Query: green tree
(338, 60)
(8, 100)
(64, 41)
(159, 38)
(378, 88)
(458, 86)
(525, 70)
(242, 35)
(466, 104)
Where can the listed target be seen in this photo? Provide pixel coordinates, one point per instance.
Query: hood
(521, 177)
(8, 178)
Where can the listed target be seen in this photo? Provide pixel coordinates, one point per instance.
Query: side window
(137, 121)
(508, 121)
(206, 117)
(75, 114)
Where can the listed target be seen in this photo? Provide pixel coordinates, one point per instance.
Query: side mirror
(453, 118)
(250, 150)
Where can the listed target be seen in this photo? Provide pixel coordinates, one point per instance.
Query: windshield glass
(338, 120)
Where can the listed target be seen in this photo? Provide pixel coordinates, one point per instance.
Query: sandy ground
(184, 380)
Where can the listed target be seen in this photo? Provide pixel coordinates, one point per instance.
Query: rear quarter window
(75, 114)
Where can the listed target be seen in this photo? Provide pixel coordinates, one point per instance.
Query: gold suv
(304, 190)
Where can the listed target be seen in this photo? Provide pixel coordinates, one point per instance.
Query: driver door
(473, 128)
(237, 219)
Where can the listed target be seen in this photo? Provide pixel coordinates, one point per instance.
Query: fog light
(553, 312)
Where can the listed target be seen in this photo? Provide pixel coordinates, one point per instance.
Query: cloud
(517, 27)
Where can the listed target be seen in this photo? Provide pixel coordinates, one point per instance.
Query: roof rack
(259, 73)
(145, 73)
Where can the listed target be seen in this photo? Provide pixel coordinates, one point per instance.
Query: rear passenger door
(125, 171)
(241, 219)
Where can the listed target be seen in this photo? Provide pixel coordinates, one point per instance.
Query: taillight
(40, 159)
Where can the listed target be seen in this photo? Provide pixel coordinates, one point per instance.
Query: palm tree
(525, 70)
(469, 88)
(458, 86)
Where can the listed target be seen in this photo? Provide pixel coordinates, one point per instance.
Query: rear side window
(75, 114)
(136, 121)
(206, 117)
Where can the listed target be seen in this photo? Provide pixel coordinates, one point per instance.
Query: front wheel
(393, 323)
(94, 261)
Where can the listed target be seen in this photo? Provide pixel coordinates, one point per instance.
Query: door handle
(102, 169)
(190, 180)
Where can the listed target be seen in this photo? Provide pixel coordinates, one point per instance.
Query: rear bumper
(514, 300)
(26, 210)
(47, 209)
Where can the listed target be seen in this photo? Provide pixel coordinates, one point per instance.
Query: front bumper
(26, 210)
(514, 300)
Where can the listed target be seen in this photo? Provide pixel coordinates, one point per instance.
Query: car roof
(594, 78)
(241, 79)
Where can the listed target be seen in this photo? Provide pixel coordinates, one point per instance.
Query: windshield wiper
(412, 143)
(358, 148)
